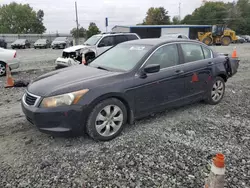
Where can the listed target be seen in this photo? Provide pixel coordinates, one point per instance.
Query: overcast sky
(60, 14)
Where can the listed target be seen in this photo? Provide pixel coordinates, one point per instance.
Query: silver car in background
(60, 43)
(42, 43)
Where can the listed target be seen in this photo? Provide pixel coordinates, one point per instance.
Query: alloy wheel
(217, 91)
(2, 69)
(109, 120)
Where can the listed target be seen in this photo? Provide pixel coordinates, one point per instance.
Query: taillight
(15, 55)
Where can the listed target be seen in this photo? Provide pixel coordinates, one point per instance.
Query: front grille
(30, 100)
(68, 54)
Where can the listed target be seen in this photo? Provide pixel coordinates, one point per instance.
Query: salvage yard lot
(171, 149)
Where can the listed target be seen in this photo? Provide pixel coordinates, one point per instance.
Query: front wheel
(225, 41)
(207, 41)
(216, 92)
(107, 119)
(2, 69)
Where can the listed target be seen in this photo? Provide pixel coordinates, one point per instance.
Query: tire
(99, 110)
(219, 83)
(226, 41)
(207, 41)
(2, 69)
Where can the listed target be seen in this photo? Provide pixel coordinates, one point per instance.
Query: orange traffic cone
(234, 54)
(83, 60)
(9, 79)
(216, 177)
(195, 78)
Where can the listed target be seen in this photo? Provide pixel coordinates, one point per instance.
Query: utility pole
(77, 25)
(179, 11)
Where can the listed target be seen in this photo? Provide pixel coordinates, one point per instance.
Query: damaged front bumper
(66, 62)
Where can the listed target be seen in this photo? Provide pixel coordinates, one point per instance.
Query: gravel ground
(171, 149)
(35, 58)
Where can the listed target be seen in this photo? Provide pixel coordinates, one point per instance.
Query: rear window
(132, 37)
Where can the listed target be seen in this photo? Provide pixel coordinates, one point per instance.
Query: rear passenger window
(132, 37)
(192, 52)
(207, 53)
(107, 41)
(120, 38)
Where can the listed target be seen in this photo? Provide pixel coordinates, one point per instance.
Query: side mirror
(101, 44)
(153, 68)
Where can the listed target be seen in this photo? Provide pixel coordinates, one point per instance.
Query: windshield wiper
(102, 68)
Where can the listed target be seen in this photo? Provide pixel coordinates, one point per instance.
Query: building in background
(156, 31)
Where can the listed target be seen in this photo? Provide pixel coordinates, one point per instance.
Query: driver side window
(165, 56)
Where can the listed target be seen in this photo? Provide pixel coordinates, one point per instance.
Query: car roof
(115, 33)
(158, 41)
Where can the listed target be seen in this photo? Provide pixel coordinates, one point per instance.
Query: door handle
(210, 63)
(179, 71)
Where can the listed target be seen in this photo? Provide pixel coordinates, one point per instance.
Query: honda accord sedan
(131, 80)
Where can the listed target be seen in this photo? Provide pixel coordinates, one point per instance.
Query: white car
(93, 47)
(8, 57)
(174, 36)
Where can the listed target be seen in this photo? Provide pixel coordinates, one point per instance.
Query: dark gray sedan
(129, 81)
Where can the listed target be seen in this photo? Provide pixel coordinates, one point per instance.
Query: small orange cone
(195, 78)
(9, 79)
(216, 177)
(234, 54)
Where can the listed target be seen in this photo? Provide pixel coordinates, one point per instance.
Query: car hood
(75, 48)
(68, 80)
(18, 43)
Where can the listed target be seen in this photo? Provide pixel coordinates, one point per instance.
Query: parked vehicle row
(130, 80)
(59, 42)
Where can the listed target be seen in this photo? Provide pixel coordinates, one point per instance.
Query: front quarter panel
(118, 87)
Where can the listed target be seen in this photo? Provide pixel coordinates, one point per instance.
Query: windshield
(93, 40)
(123, 57)
(41, 40)
(60, 39)
(20, 40)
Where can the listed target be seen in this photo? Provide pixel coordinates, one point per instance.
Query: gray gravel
(170, 149)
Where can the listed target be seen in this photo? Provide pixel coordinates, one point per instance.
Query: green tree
(92, 30)
(20, 19)
(82, 32)
(242, 17)
(208, 14)
(157, 16)
(176, 20)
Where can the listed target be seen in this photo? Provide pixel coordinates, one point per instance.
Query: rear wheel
(207, 41)
(216, 92)
(225, 41)
(107, 119)
(2, 69)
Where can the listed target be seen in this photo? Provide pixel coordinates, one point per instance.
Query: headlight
(63, 100)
